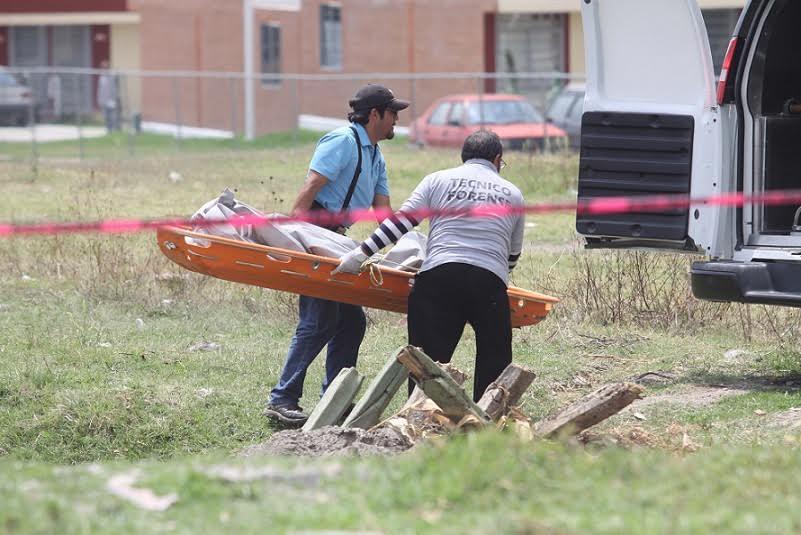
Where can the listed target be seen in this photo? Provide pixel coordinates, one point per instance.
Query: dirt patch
(657, 378)
(303, 476)
(673, 438)
(330, 441)
(788, 420)
(694, 396)
(583, 379)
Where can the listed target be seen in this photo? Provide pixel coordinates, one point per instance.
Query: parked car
(565, 111)
(449, 120)
(656, 121)
(15, 100)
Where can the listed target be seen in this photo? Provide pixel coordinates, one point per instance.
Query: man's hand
(351, 262)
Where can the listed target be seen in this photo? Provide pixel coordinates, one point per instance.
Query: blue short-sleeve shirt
(336, 158)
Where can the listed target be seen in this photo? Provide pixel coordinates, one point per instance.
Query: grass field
(98, 376)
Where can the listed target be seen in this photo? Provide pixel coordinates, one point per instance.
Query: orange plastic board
(306, 274)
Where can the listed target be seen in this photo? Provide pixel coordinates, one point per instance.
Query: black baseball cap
(376, 96)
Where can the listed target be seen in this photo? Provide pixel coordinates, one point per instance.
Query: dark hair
(483, 144)
(363, 116)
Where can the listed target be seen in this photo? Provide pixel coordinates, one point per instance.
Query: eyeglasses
(503, 164)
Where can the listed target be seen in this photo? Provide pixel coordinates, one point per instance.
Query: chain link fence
(80, 108)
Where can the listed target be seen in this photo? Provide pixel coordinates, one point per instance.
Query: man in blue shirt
(336, 182)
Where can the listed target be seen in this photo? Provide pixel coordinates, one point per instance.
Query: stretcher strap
(376, 277)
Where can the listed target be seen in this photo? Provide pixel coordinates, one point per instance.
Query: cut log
(506, 391)
(420, 416)
(336, 400)
(589, 410)
(419, 400)
(380, 392)
(439, 386)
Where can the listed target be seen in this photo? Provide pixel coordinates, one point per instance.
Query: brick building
(312, 37)
(318, 37)
(308, 37)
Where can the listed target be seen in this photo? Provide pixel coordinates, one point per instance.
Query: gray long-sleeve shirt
(493, 243)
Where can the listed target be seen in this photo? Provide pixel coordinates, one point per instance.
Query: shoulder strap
(356, 173)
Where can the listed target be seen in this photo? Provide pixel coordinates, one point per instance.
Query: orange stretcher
(307, 274)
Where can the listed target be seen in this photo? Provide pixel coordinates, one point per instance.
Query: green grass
(96, 367)
(144, 145)
(510, 488)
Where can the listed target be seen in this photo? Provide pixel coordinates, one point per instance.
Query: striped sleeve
(389, 232)
(516, 242)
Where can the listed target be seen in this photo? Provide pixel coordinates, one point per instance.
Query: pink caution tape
(597, 206)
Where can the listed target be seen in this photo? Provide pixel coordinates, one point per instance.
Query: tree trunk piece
(589, 410)
(380, 392)
(439, 386)
(506, 391)
(336, 400)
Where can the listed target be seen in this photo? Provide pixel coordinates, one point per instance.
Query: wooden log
(380, 392)
(439, 386)
(420, 415)
(506, 391)
(419, 400)
(336, 400)
(589, 410)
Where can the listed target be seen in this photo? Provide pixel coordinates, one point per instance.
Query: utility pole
(247, 44)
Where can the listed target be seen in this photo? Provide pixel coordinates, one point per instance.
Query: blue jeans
(321, 322)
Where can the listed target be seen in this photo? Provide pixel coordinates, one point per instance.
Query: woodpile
(439, 404)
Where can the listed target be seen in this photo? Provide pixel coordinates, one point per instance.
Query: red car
(448, 121)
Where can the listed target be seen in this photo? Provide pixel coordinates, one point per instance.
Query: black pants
(444, 299)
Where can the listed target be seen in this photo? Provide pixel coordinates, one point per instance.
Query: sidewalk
(48, 132)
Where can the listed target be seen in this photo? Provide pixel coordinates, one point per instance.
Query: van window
(578, 107)
(561, 106)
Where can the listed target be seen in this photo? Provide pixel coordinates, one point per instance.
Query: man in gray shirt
(464, 276)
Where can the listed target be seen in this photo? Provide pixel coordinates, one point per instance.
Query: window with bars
(330, 36)
(527, 43)
(270, 54)
(55, 46)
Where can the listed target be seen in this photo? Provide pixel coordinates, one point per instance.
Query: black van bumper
(766, 283)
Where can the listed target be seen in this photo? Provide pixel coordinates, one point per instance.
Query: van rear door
(651, 124)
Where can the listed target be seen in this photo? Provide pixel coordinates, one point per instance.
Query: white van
(656, 121)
